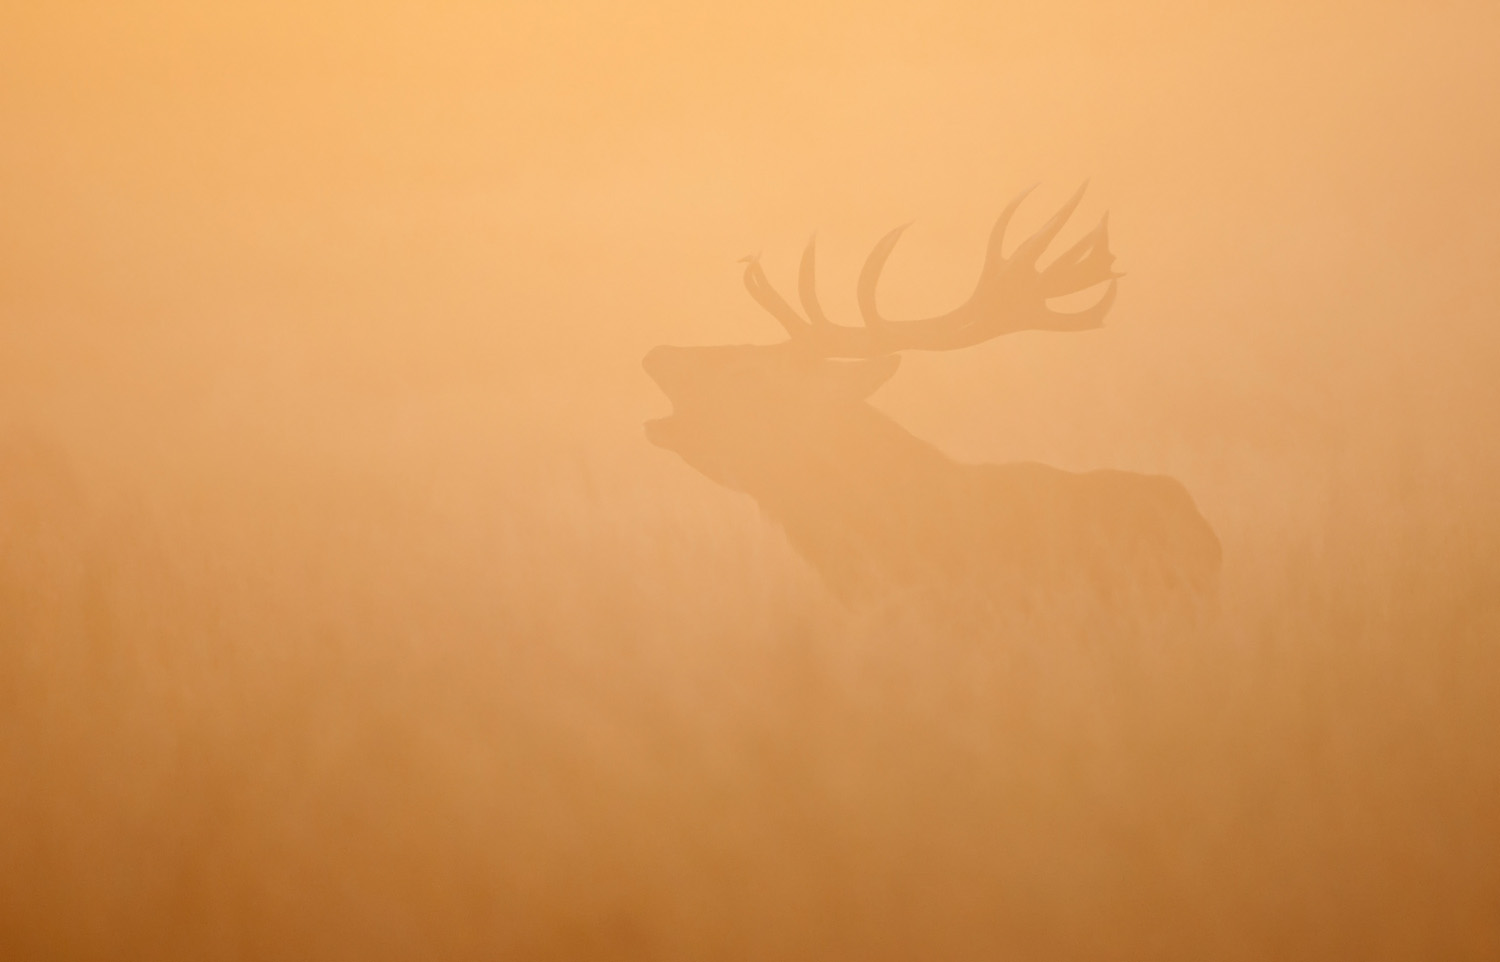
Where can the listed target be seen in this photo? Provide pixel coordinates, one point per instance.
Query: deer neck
(851, 478)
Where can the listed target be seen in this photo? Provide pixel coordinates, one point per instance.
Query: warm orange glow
(347, 612)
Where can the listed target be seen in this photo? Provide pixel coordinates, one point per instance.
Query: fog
(347, 612)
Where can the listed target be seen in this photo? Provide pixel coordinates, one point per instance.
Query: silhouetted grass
(300, 705)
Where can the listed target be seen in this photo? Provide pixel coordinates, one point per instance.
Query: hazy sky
(525, 197)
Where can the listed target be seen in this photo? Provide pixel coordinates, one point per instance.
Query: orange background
(372, 625)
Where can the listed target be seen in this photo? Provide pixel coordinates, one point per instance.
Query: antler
(1011, 294)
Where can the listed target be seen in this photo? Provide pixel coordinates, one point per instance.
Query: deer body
(878, 511)
(881, 513)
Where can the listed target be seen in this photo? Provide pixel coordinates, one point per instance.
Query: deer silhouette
(881, 513)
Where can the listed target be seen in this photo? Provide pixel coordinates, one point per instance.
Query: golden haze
(346, 612)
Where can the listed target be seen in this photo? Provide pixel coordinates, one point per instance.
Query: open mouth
(662, 431)
(659, 431)
(658, 366)
(674, 431)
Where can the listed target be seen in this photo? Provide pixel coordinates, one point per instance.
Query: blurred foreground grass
(263, 704)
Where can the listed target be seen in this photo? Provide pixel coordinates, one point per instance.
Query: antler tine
(1083, 265)
(869, 276)
(765, 295)
(1083, 246)
(994, 257)
(807, 287)
(1032, 247)
(1084, 320)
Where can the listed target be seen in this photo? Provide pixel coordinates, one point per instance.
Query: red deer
(881, 513)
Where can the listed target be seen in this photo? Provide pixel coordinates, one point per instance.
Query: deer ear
(860, 379)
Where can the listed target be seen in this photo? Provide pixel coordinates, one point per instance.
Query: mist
(346, 610)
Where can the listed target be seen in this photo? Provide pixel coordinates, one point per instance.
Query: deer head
(737, 410)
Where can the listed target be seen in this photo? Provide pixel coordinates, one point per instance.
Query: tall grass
(268, 703)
